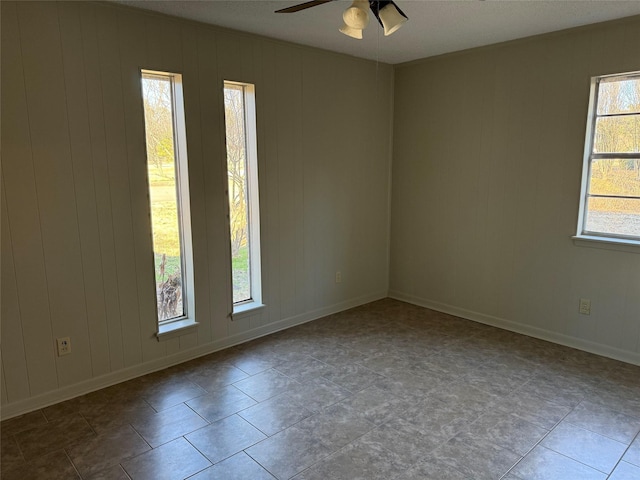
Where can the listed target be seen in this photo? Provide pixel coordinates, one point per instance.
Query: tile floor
(384, 391)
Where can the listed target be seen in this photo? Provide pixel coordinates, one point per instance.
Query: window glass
(239, 106)
(611, 181)
(164, 194)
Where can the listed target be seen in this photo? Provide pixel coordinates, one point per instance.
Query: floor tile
(433, 417)
(507, 431)
(557, 389)
(385, 390)
(432, 468)
(633, 454)
(361, 460)
(408, 386)
(619, 396)
(288, 453)
(53, 436)
(317, 394)
(169, 394)
(221, 403)
(366, 345)
(308, 474)
(625, 471)
(118, 413)
(129, 390)
(238, 467)
(466, 396)
(81, 404)
(169, 424)
(605, 421)
(586, 447)
(275, 414)
(536, 410)
(225, 438)
(304, 369)
(338, 356)
(214, 378)
(115, 472)
(390, 363)
(493, 379)
(52, 466)
(478, 459)
(23, 422)
(10, 453)
(266, 385)
(452, 363)
(335, 426)
(353, 377)
(172, 461)
(410, 448)
(544, 464)
(254, 364)
(106, 450)
(376, 405)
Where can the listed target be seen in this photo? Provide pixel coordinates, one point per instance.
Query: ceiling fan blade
(303, 6)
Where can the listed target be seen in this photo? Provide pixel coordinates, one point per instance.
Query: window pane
(617, 134)
(615, 177)
(613, 216)
(234, 109)
(163, 193)
(619, 96)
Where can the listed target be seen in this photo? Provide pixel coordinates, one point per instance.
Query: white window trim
(585, 238)
(607, 243)
(251, 307)
(176, 328)
(181, 325)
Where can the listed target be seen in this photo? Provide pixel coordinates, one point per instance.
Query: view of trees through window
(163, 192)
(613, 200)
(236, 139)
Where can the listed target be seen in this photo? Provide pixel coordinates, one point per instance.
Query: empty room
(336, 239)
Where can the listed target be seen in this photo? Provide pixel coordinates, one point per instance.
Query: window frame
(583, 236)
(177, 325)
(255, 302)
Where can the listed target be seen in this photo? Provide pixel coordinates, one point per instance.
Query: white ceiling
(434, 26)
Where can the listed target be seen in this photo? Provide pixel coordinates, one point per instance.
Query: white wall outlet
(585, 306)
(64, 346)
(338, 277)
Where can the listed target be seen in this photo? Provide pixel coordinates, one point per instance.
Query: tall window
(242, 171)
(168, 191)
(611, 176)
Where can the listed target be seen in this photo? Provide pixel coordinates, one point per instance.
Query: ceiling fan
(356, 17)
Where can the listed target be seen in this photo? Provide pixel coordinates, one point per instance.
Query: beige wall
(487, 164)
(486, 178)
(76, 241)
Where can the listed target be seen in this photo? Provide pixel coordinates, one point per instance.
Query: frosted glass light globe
(356, 15)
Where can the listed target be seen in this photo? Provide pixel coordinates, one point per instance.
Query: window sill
(246, 310)
(176, 329)
(607, 243)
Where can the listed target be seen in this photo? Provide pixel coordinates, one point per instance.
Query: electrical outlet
(585, 306)
(64, 346)
(338, 277)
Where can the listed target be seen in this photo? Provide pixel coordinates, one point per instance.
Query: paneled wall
(488, 151)
(76, 239)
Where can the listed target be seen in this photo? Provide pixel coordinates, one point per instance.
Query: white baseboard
(65, 393)
(542, 334)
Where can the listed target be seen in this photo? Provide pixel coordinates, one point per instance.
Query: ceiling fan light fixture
(391, 18)
(356, 16)
(351, 32)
